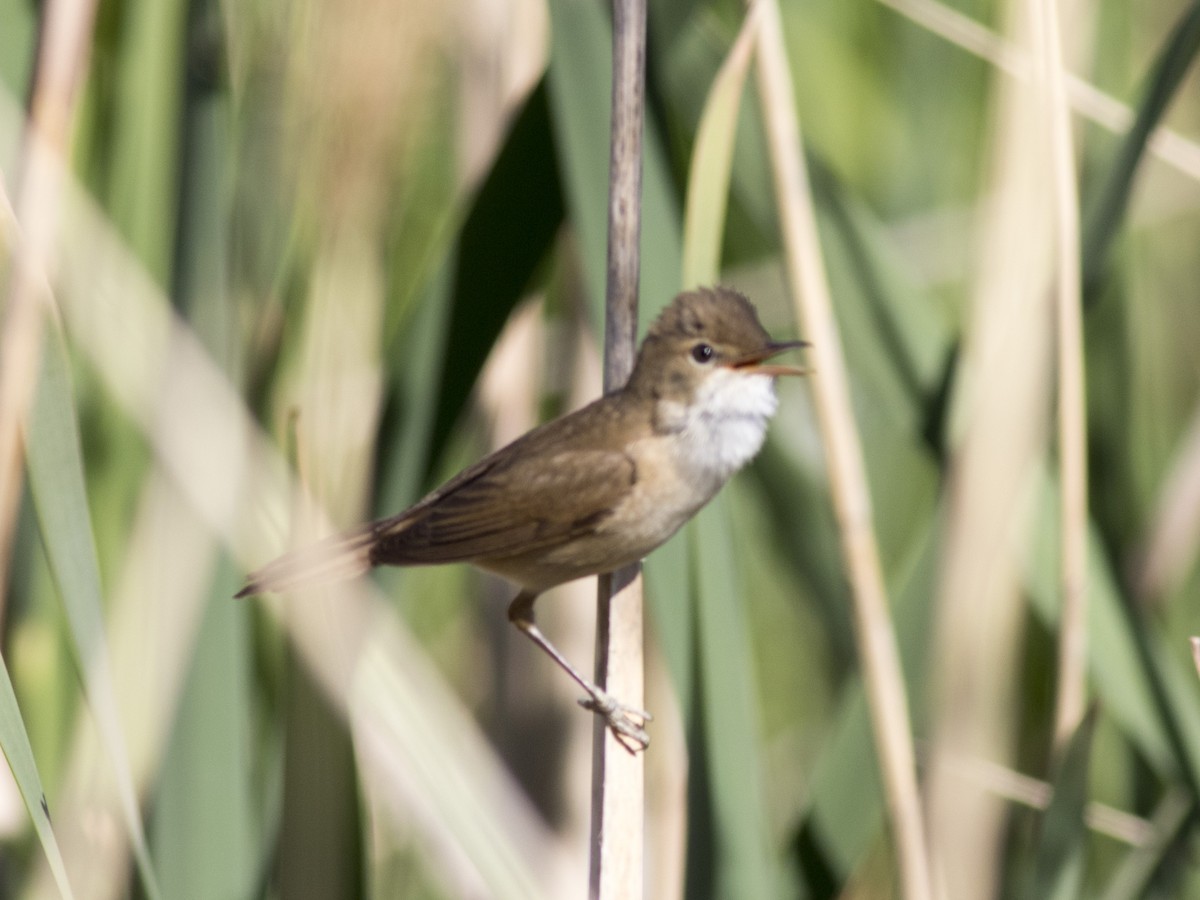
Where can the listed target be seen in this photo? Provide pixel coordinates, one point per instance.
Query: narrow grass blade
(15, 742)
(60, 500)
(204, 833)
(727, 711)
(141, 162)
(1121, 684)
(712, 159)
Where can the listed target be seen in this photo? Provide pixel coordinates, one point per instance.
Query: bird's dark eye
(702, 353)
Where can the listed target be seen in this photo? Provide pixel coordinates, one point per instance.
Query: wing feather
(508, 510)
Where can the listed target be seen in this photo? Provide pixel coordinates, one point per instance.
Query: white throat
(725, 425)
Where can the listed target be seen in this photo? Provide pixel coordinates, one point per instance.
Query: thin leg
(625, 721)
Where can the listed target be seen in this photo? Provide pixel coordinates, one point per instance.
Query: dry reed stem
(618, 775)
(1071, 685)
(882, 672)
(998, 428)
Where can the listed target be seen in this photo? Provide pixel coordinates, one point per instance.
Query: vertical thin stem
(617, 774)
(625, 190)
(882, 673)
(1072, 415)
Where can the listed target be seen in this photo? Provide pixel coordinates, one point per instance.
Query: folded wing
(515, 508)
(499, 508)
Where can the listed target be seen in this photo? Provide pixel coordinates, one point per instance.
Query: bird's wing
(550, 486)
(508, 508)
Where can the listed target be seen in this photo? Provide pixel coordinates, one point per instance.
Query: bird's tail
(333, 559)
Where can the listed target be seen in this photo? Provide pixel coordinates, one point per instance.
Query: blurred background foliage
(384, 220)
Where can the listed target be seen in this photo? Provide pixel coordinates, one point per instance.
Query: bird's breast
(723, 427)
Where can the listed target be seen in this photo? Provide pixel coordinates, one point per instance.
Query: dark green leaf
(1104, 217)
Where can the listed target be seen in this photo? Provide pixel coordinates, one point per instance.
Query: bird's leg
(625, 721)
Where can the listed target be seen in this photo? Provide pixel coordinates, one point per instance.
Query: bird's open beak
(753, 362)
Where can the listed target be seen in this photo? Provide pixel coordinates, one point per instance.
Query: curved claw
(625, 721)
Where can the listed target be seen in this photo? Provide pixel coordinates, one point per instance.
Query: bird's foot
(626, 722)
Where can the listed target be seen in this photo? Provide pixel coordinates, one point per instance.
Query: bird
(592, 491)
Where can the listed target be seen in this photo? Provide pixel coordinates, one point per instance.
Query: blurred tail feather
(334, 559)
